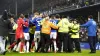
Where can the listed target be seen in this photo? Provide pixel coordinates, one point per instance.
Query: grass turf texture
(84, 53)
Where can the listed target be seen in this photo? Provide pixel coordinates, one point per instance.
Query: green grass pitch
(84, 53)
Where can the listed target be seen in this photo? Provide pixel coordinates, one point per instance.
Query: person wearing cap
(91, 26)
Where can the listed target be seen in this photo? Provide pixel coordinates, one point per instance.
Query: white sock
(27, 44)
(49, 48)
(36, 45)
(15, 47)
(18, 46)
(54, 45)
(24, 48)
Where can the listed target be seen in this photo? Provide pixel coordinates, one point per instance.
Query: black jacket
(5, 25)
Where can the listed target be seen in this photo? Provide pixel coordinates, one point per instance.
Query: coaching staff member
(92, 29)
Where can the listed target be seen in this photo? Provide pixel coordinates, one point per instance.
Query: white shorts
(37, 34)
(27, 36)
(53, 35)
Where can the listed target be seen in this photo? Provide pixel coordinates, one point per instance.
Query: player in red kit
(19, 34)
(19, 30)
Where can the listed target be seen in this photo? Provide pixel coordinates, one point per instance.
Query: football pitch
(84, 53)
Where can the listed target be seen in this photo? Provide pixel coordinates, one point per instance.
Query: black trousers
(30, 41)
(77, 44)
(69, 44)
(51, 45)
(92, 43)
(11, 38)
(63, 38)
(45, 42)
(39, 46)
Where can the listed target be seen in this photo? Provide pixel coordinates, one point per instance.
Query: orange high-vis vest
(46, 27)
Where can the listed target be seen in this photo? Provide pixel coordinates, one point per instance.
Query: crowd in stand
(57, 4)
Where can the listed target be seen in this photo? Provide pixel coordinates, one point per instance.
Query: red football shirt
(19, 30)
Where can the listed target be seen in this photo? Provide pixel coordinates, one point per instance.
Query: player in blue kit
(37, 21)
(26, 34)
(53, 34)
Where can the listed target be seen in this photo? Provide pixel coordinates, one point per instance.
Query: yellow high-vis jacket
(75, 29)
(32, 29)
(64, 25)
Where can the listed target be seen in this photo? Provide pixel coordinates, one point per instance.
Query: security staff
(45, 34)
(63, 34)
(75, 36)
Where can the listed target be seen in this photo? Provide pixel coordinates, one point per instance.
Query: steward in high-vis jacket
(63, 34)
(75, 36)
(45, 33)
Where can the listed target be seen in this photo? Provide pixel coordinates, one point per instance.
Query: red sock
(33, 44)
(21, 46)
(11, 46)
